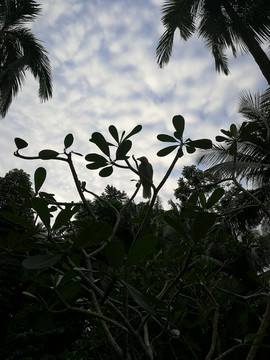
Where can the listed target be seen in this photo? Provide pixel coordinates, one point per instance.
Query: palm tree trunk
(252, 44)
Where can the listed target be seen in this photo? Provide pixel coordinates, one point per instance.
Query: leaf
(41, 208)
(93, 233)
(70, 290)
(20, 143)
(107, 171)
(98, 139)
(123, 149)
(95, 165)
(220, 138)
(113, 131)
(140, 298)
(166, 151)
(41, 261)
(68, 141)
(48, 154)
(39, 178)
(179, 125)
(95, 158)
(63, 218)
(233, 148)
(115, 252)
(233, 129)
(226, 132)
(17, 219)
(143, 247)
(201, 143)
(215, 197)
(202, 224)
(190, 150)
(137, 129)
(177, 226)
(166, 138)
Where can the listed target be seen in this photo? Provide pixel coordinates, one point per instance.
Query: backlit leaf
(20, 143)
(68, 141)
(39, 178)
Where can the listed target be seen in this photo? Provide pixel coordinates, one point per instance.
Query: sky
(104, 68)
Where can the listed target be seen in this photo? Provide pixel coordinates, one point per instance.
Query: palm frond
(175, 14)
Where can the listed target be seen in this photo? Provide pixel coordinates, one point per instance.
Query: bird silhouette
(146, 176)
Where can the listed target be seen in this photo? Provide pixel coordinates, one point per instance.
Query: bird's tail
(147, 192)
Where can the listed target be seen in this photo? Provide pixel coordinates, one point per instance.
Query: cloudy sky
(102, 54)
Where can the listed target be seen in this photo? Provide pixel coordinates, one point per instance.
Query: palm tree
(245, 150)
(235, 24)
(20, 50)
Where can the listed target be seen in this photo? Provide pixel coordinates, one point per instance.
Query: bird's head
(142, 159)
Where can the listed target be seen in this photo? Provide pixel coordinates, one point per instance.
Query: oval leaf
(62, 218)
(95, 158)
(166, 138)
(93, 234)
(96, 165)
(179, 125)
(202, 224)
(113, 131)
(98, 139)
(190, 149)
(48, 154)
(166, 151)
(115, 252)
(40, 261)
(201, 143)
(215, 197)
(39, 178)
(68, 141)
(123, 149)
(20, 143)
(107, 171)
(140, 298)
(137, 129)
(220, 138)
(142, 247)
(41, 208)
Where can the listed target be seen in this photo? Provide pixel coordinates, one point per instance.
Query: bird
(145, 170)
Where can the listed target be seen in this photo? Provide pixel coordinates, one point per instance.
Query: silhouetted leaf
(166, 138)
(48, 154)
(68, 141)
(202, 224)
(98, 139)
(179, 125)
(115, 252)
(95, 158)
(93, 233)
(41, 208)
(41, 261)
(220, 138)
(144, 246)
(113, 131)
(140, 298)
(201, 143)
(17, 219)
(190, 149)
(226, 132)
(20, 143)
(107, 171)
(39, 178)
(233, 129)
(123, 149)
(62, 218)
(166, 151)
(137, 129)
(215, 197)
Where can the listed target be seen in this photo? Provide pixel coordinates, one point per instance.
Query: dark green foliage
(21, 51)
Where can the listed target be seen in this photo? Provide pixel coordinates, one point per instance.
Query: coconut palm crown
(20, 50)
(234, 24)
